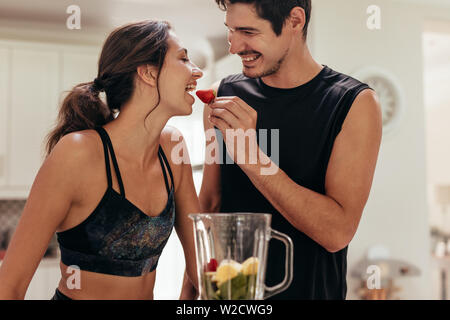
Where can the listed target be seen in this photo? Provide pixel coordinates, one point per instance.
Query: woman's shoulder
(72, 163)
(78, 148)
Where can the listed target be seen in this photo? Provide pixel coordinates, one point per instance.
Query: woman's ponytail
(81, 109)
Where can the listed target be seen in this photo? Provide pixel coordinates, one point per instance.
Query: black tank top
(309, 118)
(117, 237)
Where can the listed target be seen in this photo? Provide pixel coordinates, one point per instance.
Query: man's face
(254, 40)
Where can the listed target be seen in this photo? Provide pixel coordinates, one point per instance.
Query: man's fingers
(226, 116)
(231, 106)
(219, 123)
(237, 104)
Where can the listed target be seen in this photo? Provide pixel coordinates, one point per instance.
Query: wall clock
(388, 91)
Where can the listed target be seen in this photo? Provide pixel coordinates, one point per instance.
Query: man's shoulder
(236, 85)
(234, 78)
(341, 81)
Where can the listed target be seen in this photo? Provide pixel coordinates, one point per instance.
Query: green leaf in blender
(235, 288)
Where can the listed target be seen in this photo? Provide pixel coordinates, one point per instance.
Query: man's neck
(296, 70)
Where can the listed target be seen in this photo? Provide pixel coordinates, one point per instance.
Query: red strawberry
(207, 96)
(212, 265)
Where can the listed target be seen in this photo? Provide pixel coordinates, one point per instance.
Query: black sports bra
(118, 238)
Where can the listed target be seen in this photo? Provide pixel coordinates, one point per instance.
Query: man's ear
(297, 18)
(147, 74)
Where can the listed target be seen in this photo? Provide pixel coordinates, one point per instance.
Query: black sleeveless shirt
(308, 119)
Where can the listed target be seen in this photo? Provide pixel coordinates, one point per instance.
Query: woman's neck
(137, 141)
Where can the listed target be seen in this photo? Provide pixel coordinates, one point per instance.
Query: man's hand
(236, 119)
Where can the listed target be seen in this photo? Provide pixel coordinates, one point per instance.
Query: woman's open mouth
(191, 87)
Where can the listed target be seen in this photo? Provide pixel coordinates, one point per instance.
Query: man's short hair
(275, 11)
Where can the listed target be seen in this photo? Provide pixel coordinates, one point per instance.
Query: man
(329, 136)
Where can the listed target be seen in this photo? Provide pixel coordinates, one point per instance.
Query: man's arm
(331, 219)
(210, 190)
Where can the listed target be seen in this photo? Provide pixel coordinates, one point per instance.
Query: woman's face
(178, 78)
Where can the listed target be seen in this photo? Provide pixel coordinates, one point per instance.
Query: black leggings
(59, 296)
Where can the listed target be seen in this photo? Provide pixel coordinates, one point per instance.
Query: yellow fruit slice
(250, 266)
(227, 270)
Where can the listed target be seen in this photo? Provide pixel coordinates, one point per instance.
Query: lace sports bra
(118, 238)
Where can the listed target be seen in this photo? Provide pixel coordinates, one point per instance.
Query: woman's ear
(147, 74)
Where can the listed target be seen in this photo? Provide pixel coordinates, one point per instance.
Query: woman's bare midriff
(97, 286)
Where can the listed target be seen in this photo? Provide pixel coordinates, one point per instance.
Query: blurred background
(400, 47)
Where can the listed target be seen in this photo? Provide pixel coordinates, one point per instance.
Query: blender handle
(289, 265)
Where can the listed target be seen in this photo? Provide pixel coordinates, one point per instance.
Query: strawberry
(207, 96)
(212, 265)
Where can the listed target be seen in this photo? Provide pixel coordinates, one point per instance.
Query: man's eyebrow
(242, 28)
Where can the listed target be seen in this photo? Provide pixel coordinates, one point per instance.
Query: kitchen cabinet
(34, 98)
(34, 79)
(77, 67)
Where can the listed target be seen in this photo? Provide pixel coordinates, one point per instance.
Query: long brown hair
(125, 49)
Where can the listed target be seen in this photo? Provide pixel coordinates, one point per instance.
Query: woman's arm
(186, 202)
(48, 203)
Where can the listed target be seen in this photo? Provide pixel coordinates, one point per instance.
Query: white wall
(437, 101)
(396, 214)
(438, 159)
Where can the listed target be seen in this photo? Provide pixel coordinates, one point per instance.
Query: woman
(111, 240)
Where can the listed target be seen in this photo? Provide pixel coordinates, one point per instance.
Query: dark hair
(275, 11)
(125, 49)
